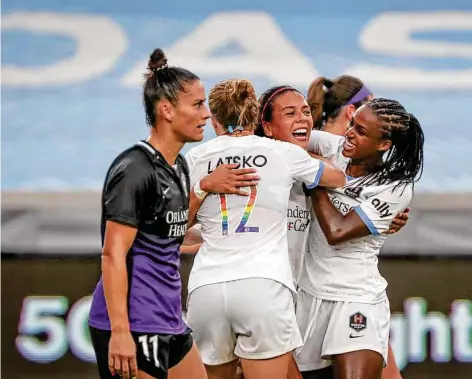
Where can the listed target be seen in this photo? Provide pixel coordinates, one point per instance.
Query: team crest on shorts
(358, 321)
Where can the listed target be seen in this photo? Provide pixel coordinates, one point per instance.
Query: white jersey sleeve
(325, 144)
(196, 171)
(303, 166)
(379, 209)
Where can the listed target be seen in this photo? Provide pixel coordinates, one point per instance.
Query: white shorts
(335, 327)
(249, 318)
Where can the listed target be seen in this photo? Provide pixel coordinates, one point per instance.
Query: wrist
(120, 328)
(200, 188)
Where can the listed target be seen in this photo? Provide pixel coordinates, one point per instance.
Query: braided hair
(404, 160)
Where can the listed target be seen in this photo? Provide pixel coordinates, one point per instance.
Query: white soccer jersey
(298, 220)
(349, 271)
(246, 237)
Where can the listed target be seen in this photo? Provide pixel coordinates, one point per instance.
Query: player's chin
(195, 137)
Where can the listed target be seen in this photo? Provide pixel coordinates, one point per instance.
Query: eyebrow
(199, 101)
(293, 107)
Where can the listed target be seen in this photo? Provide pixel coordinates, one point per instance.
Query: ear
(267, 128)
(166, 110)
(385, 145)
(215, 124)
(349, 111)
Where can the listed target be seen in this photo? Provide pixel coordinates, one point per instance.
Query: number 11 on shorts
(242, 228)
(152, 342)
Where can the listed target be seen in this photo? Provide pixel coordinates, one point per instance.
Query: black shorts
(171, 349)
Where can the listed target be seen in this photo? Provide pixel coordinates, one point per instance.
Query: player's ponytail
(316, 100)
(327, 97)
(162, 82)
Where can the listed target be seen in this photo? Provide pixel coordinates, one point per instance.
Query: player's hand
(122, 355)
(228, 178)
(398, 222)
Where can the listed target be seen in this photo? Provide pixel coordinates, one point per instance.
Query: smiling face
(364, 138)
(190, 113)
(291, 119)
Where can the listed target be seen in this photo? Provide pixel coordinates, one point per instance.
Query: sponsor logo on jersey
(298, 219)
(177, 222)
(357, 321)
(353, 192)
(342, 206)
(382, 207)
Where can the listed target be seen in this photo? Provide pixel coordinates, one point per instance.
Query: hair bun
(157, 60)
(243, 90)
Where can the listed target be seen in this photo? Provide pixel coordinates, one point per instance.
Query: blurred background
(71, 74)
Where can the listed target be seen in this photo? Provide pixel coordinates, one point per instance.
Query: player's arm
(372, 217)
(226, 178)
(313, 172)
(192, 241)
(123, 194)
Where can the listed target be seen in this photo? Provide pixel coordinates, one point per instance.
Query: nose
(350, 132)
(206, 113)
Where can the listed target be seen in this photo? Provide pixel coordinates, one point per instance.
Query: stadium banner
(46, 301)
(74, 69)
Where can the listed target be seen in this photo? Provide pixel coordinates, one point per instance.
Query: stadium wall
(71, 101)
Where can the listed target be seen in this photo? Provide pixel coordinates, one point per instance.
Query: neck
(361, 167)
(165, 142)
(240, 133)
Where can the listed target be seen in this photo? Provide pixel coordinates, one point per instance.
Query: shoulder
(394, 192)
(133, 164)
(325, 144)
(282, 146)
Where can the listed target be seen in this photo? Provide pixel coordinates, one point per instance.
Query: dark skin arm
(336, 227)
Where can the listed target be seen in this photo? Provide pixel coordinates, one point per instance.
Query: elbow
(335, 237)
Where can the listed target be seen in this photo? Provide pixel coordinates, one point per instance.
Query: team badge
(353, 192)
(358, 321)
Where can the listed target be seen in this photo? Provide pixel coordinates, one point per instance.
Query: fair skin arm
(122, 350)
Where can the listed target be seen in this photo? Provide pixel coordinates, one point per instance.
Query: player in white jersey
(333, 103)
(286, 117)
(343, 310)
(241, 288)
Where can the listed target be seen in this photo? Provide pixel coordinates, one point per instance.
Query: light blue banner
(71, 72)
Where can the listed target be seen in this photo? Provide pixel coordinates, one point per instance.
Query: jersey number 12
(242, 228)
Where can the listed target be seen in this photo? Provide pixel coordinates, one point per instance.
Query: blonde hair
(233, 102)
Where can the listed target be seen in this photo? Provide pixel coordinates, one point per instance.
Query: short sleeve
(325, 144)
(378, 211)
(304, 167)
(124, 195)
(196, 167)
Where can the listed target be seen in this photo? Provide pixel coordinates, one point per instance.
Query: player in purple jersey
(136, 323)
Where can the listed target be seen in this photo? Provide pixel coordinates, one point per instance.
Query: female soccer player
(136, 318)
(333, 102)
(343, 310)
(285, 118)
(241, 288)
